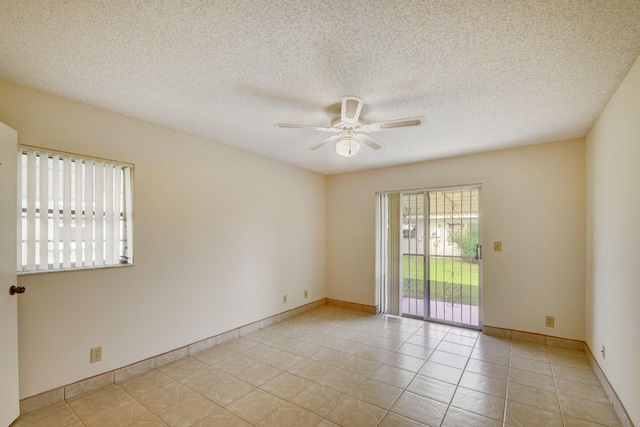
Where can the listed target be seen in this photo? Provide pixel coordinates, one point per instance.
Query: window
(74, 212)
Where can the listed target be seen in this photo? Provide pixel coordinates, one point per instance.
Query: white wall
(613, 241)
(533, 200)
(220, 236)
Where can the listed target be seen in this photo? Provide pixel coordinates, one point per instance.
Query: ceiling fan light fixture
(347, 147)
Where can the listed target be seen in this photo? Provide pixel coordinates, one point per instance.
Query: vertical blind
(74, 212)
(388, 265)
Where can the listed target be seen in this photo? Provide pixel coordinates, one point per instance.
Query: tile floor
(332, 366)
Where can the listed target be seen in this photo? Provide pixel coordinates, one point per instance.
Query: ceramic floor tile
(395, 420)
(441, 372)
(432, 388)
(309, 369)
(188, 411)
(167, 395)
(226, 391)
(304, 349)
(420, 408)
(403, 361)
(59, 414)
(479, 403)
(386, 343)
(182, 367)
(330, 357)
(255, 405)
(222, 418)
(318, 399)
(575, 374)
(145, 382)
(498, 357)
(286, 385)
(235, 364)
(213, 355)
(282, 342)
(290, 415)
(488, 369)
(124, 414)
(547, 400)
(489, 385)
(260, 352)
(376, 354)
(258, 374)
(99, 400)
(454, 348)
(283, 360)
(359, 365)
(576, 422)
(238, 345)
(260, 336)
(457, 417)
(460, 339)
(340, 380)
(352, 368)
(449, 359)
(377, 393)
(537, 366)
(532, 379)
(424, 340)
(393, 376)
(518, 414)
(149, 421)
(352, 412)
(588, 410)
(581, 390)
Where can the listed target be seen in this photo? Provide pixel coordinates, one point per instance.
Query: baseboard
(572, 345)
(88, 385)
(534, 338)
(372, 309)
(621, 411)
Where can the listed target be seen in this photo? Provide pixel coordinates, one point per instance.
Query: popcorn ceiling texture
(485, 74)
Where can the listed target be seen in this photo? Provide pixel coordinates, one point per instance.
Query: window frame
(30, 224)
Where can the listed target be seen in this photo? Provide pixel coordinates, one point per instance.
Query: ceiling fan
(351, 131)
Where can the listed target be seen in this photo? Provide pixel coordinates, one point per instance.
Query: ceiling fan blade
(324, 142)
(351, 108)
(367, 140)
(393, 124)
(286, 125)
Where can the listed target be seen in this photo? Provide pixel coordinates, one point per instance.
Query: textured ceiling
(485, 74)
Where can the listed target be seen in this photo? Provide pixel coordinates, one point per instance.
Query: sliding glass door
(435, 245)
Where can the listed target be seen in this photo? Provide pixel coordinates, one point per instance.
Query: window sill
(67, 270)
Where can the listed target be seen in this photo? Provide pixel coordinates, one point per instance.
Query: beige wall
(220, 236)
(613, 241)
(533, 200)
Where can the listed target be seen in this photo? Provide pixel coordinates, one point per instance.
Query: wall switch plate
(497, 246)
(603, 351)
(306, 293)
(95, 355)
(284, 299)
(549, 321)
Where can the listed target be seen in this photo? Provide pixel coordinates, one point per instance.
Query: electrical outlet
(95, 355)
(549, 321)
(306, 293)
(284, 299)
(497, 246)
(603, 351)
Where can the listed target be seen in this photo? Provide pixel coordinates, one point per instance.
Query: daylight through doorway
(429, 255)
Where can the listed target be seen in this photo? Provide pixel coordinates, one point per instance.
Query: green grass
(452, 280)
